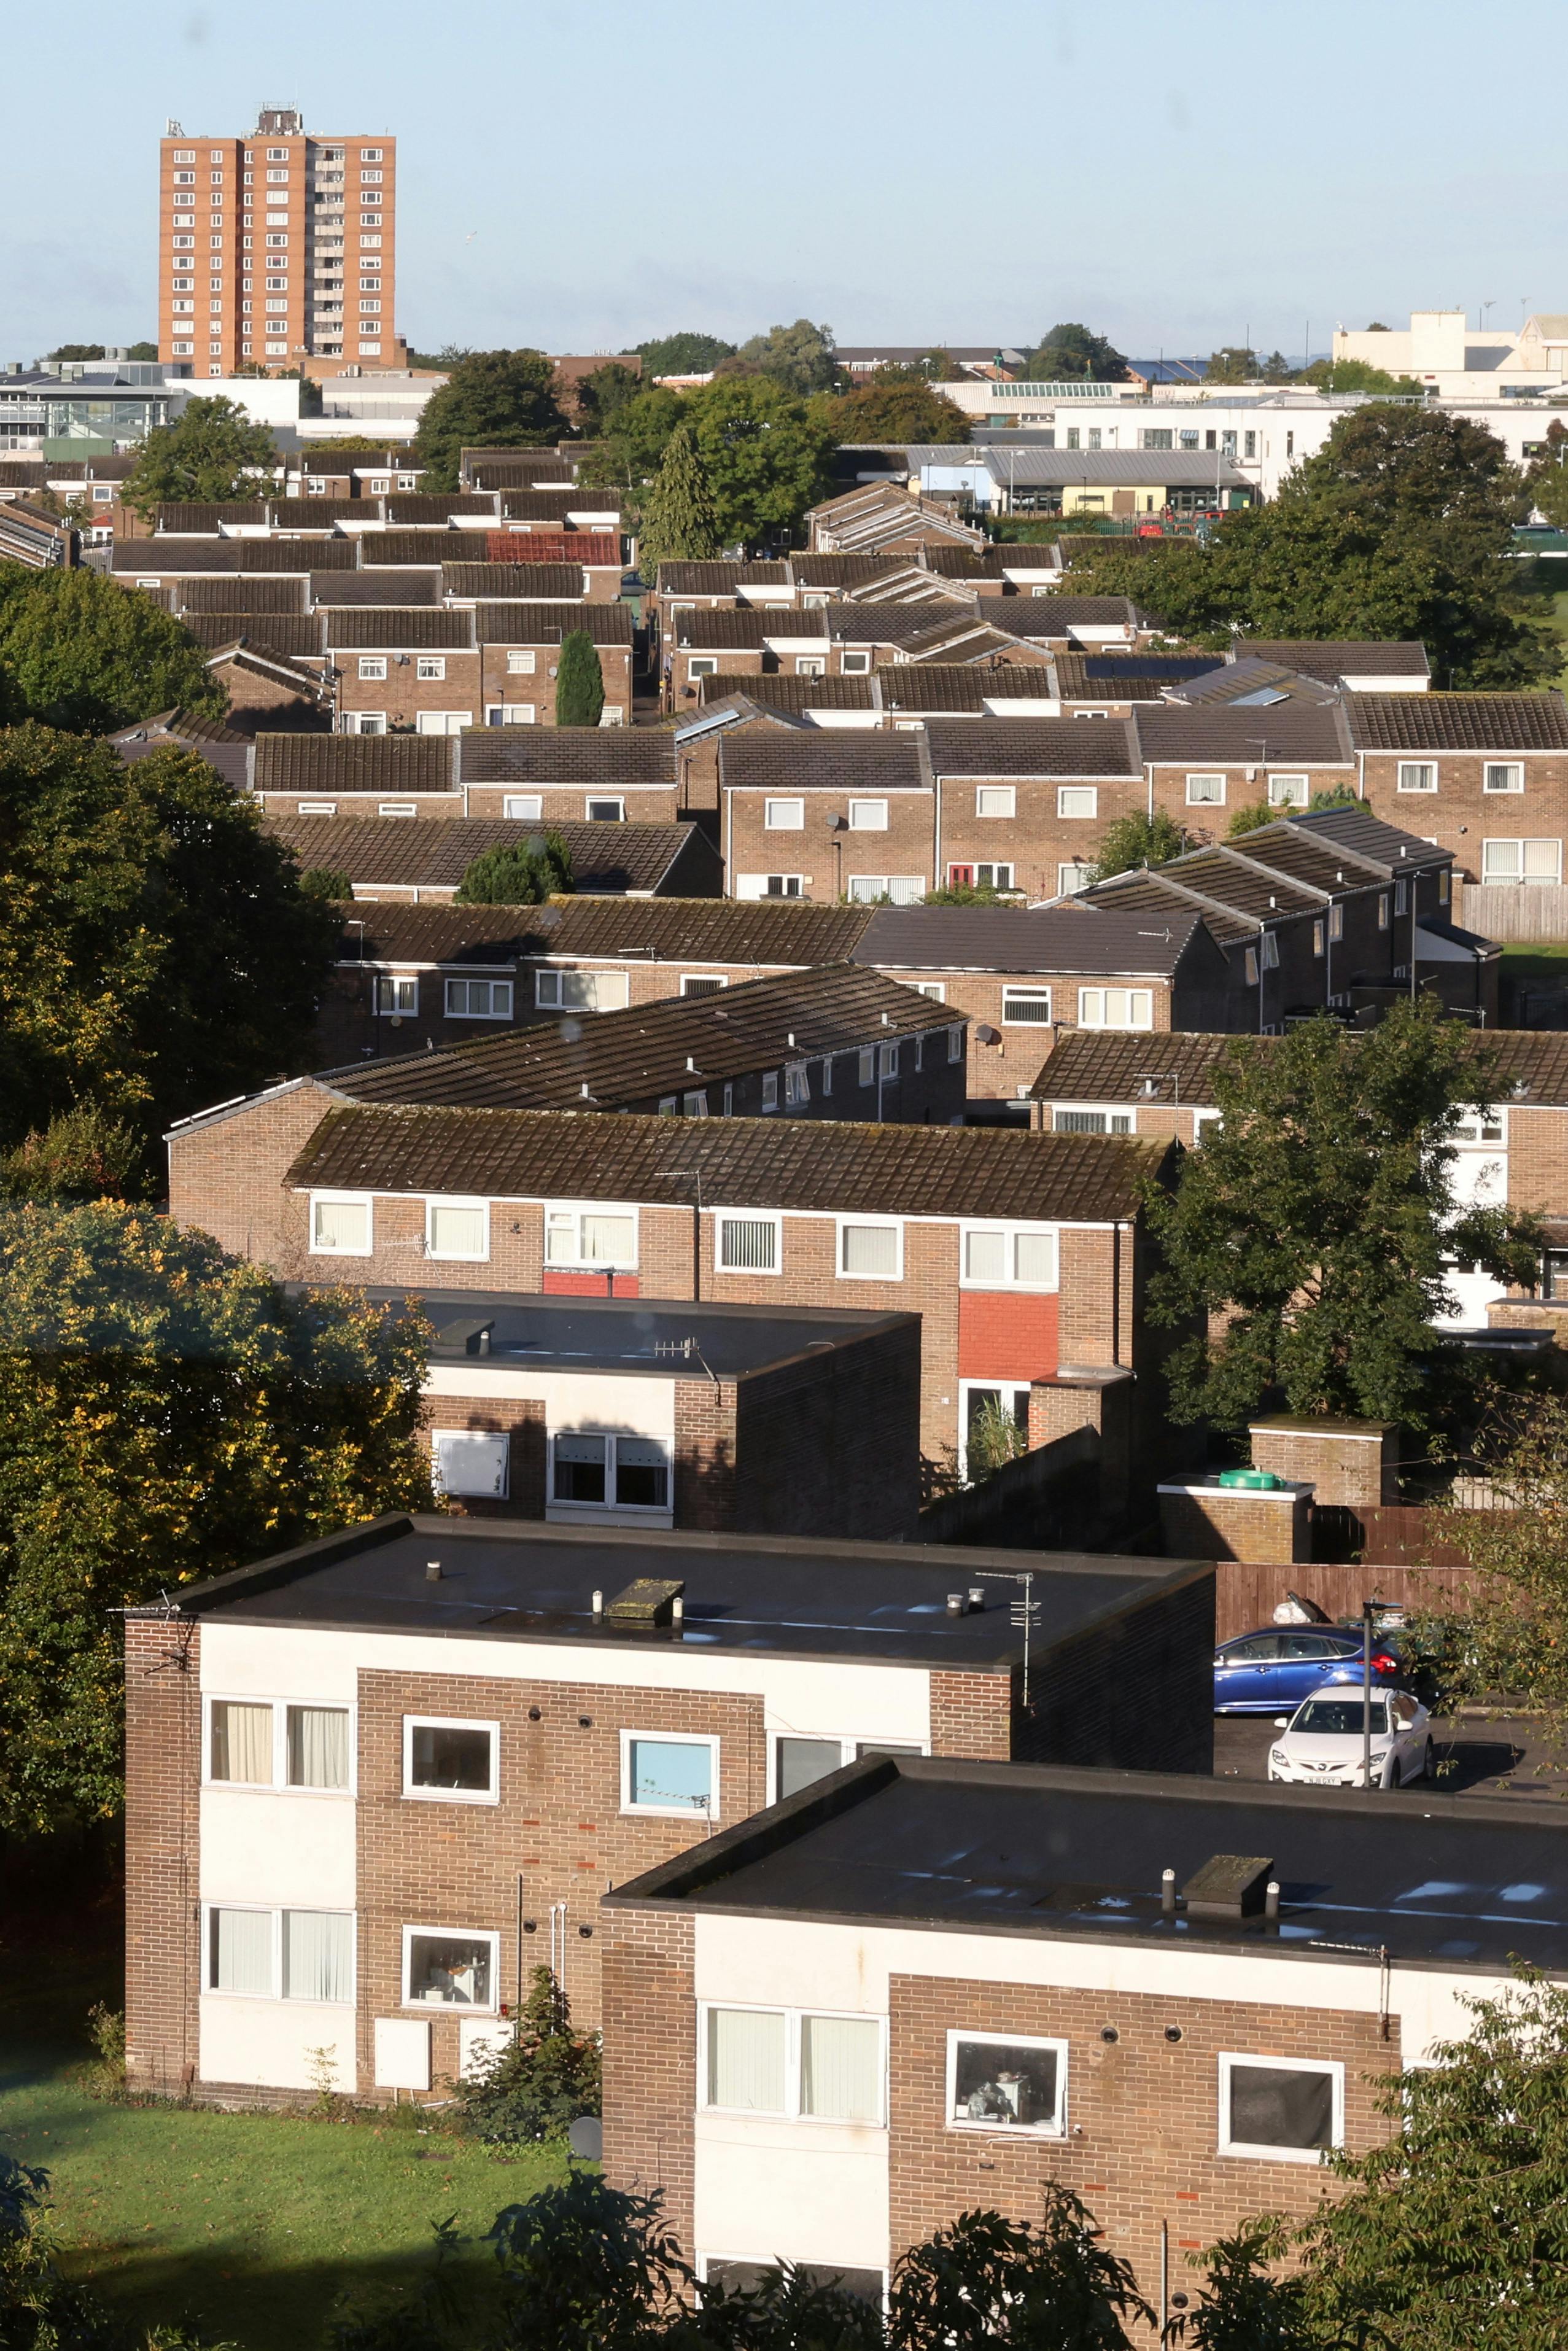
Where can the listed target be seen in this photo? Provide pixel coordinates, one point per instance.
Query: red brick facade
(163, 1770)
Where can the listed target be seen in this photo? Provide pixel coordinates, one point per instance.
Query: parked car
(1273, 1669)
(1323, 1745)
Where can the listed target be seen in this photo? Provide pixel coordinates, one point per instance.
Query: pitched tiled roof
(1023, 938)
(1105, 1065)
(434, 853)
(567, 755)
(394, 764)
(1153, 899)
(1250, 682)
(1285, 731)
(649, 1050)
(743, 625)
(719, 579)
(522, 624)
(395, 626)
(383, 585)
(1033, 746)
(393, 549)
(553, 581)
(194, 515)
(1458, 721)
(381, 931)
(690, 931)
(804, 1163)
(296, 634)
(1389, 846)
(819, 758)
(838, 571)
(554, 503)
(1331, 659)
(403, 508)
(317, 514)
(961, 685)
(285, 595)
(777, 692)
(1085, 611)
(182, 727)
(903, 625)
(1078, 680)
(164, 557)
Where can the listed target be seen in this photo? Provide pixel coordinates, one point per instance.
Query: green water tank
(1262, 1482)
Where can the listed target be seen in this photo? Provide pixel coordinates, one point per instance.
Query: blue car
(1270, 1672)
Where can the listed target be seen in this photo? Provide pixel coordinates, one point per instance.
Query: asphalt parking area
(1476, 1755)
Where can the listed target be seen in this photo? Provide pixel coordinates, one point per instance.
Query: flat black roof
(641, 1337)
(517, 1580)
(1027, 1849)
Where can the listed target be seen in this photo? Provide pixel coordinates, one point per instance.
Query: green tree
(78, 651)
(166, 1411)
(82, 1155)
(800, 357)
(1050, 2285)
(580, 681)
(491, 400)
(328, 882)
(603, 395)
(1138, 840)
(1070, 349)
(894, 404)
(156, 952)
(212, 452)
(79, 351)
(1356, 375)
(1318, 1221)
(142, 351)
(687, 354)
(1233, 364)
(679, 519)
(766, 456)
(1548, 476)
(1251, 818)
(522, 874)
(544, 2078)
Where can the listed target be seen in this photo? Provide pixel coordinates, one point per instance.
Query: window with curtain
(241, 1952)
(745, 2060)
(840, 2068)
(317, 1747)
(242, 1742)
(318, 1955)
(870, 1250)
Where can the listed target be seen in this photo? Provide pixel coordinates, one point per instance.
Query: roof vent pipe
(433, 1571)
(955, 1604)
(1167, 1893)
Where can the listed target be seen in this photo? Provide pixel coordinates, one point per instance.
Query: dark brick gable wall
(162, 1936)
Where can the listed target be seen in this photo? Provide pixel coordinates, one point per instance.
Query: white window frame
(856, 663)
(1287, 791)
(769, 1088)
(1202, 1120)
(315, 808)
(1522, 880)
(721, 1216)
(458, 1935)
(1004, 794)
(1068, 794)
(576, 1262)
(601, 801)
(1011, 1233)
(1107, 1111)
(549, 993)
(1199, 795)
(365, 1200)
(1512, 770)
(791, 2109)
(1425, 773)
(467, 980)
(523, 808)
(1055, 2128)
(373, 668)
(429, 667)
(773, 821)
(707, 983)
(630, 1811)
(490, 1795)
(997, 871)
(868, 816)
(522, 662)
(1133, 1026)
(848, 1744)
(841, 1225)
(439, 1200)
(650, 1514)
(275, 1911)
(1018, 995)
(1225, 2145)
(243, 1697)
(1071, 878)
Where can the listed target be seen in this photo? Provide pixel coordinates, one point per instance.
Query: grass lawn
(256, 2228)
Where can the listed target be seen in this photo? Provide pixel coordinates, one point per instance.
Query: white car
(1322, 1746)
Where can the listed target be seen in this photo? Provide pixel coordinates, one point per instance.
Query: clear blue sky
(581, 174)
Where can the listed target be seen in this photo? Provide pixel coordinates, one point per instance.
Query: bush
(326, 882)
(525, 874)
(542, 2081)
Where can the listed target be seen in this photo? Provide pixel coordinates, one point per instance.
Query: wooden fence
(1246, 1597)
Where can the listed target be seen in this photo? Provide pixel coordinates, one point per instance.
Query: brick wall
(1037, 838)
(499, 685)
(527, 1472)
(162, 1935)
(828, 1445)
(1142, 2112)
(828, 860)
(1211, 1523)
(1136, 1695)
(226, 1178)
(650, 2060)
(1460, 814)
(1349, 1462)
(403, 693)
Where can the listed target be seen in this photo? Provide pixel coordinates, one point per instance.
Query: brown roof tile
(1331, 659)
(284, 595)
(396, 626)
(383, 585)
(553, 583)
(777, 692)
(567, 755)
(434, 853)
(394, 764)
(1021, 748)
(522, 624)
(1458, 721)
(829, 759)
(296, 635)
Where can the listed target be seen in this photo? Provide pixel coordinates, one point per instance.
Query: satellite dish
(586, 2138)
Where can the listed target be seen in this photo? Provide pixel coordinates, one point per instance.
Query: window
(797, 1084)
(373, 665)
(341, 1223)
(1206, 791)
(1070, 879)
(1521, 861)
(1030, 1005)
(1286, 2109)
(770, 1090)
(868, 816)
(444, 722)
(750, 1244)
(784, 816)
(699, 983)
(447, 1757)
(478, 1000)
(956, 1043)
(369, 154)
(1417, 775)
(522, 664)
(304, 1954)
(1093, 1121)
(800, 1762)
(1382, 910)
(1007, 2084)
(1009, 1257)
(457, 1228)
(1077, 800)
(604, 811)
(782, 886)
(1319, 937)
(1502, 777)
(396, 993)
(581, 991)
(996, 800)
(782, 2062)
(1115, 1008)
(669, 1774)
(866, 889)
(240, 1742)
(1250, 967)
(1287, 791)
(856, 665)
(448, 1969)
(470, 1461)
(592, 1237)
(1336, 920)
(871, 1252)
(1271, 952)
(812, 666)
(524, 805)
(887, 1061)
(620, 1473)
(431, 665)
(1202, 1120)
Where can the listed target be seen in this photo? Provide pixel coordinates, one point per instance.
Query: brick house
(807, 814)
(931, 1985)
(404, 667)
(1022, 1253)
(521, 650)
(573, 775)
(1490, 770)
(364, 1797)
(394, 856)
(1021, 804)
